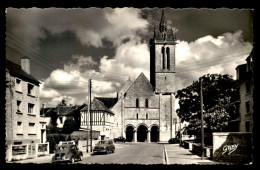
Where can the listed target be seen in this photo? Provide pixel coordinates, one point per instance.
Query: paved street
(130, 153)
(136, 153)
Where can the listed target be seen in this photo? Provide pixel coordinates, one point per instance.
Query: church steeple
(163, 25)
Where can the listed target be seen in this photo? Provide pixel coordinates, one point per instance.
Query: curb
(165, 155)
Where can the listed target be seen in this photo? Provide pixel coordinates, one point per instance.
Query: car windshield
(103, 142)
(62, 148)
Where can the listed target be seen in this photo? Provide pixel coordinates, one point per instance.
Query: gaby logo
(229, 148)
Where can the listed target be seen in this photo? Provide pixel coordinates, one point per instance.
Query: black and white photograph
(129, 86)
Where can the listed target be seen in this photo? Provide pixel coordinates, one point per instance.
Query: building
(145, 110)
(102, 119)
(243, 121)
(24, 123)
(59, 114)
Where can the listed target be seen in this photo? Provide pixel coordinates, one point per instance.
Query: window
(30, 89)
(146, 115)
(247, 126)
(18, 85)
(146, 102)
(18, 105)
(32, 128)
(30, 108)
(247, 106)
(248, 86)
(137, 102)
(19, 128)
(136, 115)
(163, 58)
(168, 57)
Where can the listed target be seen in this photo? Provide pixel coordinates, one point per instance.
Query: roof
(108, 102)
(97, 105)
(125, 88)
(62, 110)
(141, 86)
(16, 70)
(160, 36)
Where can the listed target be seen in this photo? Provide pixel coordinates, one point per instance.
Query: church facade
(145, 111)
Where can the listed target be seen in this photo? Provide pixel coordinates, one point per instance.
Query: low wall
(208, 151)
(234, 147)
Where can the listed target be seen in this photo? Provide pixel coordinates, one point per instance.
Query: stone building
(145, 111)
(244, 104)
(24, 123)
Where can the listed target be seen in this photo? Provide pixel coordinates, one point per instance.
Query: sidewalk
(178, 155)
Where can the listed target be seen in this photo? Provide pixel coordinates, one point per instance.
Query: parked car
(120, 139)
(174, 140)
(104, 146)
(67, 153)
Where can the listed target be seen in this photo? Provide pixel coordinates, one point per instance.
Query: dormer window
(18, 85)
(31, 89)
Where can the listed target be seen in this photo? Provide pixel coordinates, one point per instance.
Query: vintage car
(67, 153)
(104, 146)
(120, 139)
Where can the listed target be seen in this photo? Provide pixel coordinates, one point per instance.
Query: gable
(141, 87)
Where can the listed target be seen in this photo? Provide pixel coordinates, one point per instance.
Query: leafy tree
(69, 126)
(217, 94)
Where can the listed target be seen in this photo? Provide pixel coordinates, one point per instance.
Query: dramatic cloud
(90, 25)
(209, 55)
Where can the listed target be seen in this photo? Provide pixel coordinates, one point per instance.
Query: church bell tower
(162, 58)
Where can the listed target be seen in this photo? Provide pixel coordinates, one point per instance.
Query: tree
(69, 126)
(217, 93)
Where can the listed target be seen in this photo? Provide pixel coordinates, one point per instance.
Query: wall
(235, 147)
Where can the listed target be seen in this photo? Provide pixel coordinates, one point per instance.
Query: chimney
(25, 64)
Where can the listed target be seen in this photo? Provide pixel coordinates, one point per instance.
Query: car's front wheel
(113, 150)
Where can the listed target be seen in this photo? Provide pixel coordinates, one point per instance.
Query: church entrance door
(129, 134)
(142, 133)
(154, 134)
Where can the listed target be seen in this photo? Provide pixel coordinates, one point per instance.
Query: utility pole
(90, 114)
(201, 112)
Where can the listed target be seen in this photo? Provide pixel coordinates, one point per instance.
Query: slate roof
(108, 102)
(62, 110)
(16, 70)
(97, 105)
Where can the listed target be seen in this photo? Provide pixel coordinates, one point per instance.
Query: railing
(19, 152)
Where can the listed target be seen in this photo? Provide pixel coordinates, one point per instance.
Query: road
(129, 153)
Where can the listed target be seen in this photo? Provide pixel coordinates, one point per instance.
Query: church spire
(163, 25)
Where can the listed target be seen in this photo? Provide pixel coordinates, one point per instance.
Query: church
(145, 111)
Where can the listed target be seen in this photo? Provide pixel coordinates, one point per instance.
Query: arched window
(163, 58)
(146, 102)
(146, 115)
(137, 103)
(136, 115)
(168, 57)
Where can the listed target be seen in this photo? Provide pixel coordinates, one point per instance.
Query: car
(104, 146)
(120, 139)
(67, 153)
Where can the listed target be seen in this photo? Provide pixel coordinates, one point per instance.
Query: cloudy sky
(69, 46)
